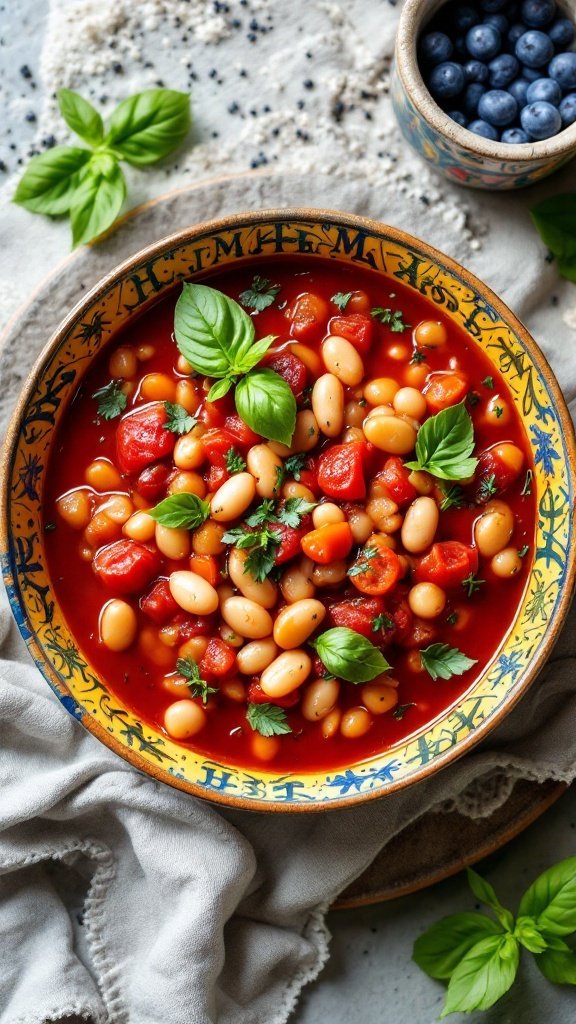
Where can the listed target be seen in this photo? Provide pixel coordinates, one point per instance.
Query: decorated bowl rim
(404, 239)
(408, 71)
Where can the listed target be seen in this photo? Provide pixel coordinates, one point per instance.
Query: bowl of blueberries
(486, 90)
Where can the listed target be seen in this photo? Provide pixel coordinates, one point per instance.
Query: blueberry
(492, 6)
(514, 136)
(563, 69)
(459, 117)
(531, 74)
(514, 34)
(483, 42)
(568, 109)
(464, 17)
(519, 90)
(487, 131)
(540, 120)
(503, 69)
(435, 48)
(544, 89)
(472, 98)
(446, 80)
(538, 13)
(498, 21)
(476, 71)
(497, 107)
(562, 33)
(534, 49)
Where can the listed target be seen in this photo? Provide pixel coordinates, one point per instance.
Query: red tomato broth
(226, 737)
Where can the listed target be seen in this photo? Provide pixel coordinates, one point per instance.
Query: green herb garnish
(234, 462)
(293, 511)
(488, 382)
(445, 443)
(179, 421)
(349, 655)
(267, 719)
(188, 668)
(88, 184)
(178, 511)
(341, 299)
(393, 317)
(488, 487)
(363, 566)
(260, 294)
(471, 584)
(261, 544)
(382, 622)
(401, 709)
(527, 487)
(442, 661)
(453, 497)
(523, 551)
(294, 465)
(111, 400)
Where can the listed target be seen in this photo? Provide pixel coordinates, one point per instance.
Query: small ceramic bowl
(462, 156)
(91, 326)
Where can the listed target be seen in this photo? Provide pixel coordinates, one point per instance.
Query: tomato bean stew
(289, 515)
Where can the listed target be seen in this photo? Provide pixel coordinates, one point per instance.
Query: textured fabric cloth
(192, 913)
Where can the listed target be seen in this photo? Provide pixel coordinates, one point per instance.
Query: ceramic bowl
(462, 156)
(134, 287)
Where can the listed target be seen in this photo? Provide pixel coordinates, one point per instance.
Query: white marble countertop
(370, 972)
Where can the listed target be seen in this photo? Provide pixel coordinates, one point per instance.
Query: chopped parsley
(261, 544)
(523, 551)
(400, 711)
(453, 497)
(527, 488)
(267, 719)
(280, 474)
(111, 400)
(382, 622)
(188, 668)
(178, 420)
(341, 299)
(234, 461)
(488, 382)
(471, 584)
(488, 487)
(263, 514)
(442, 661)
(452, 619)
(362, 565)
(294, 464)
(393, 317)
(473, 398)
(418, 357)
(498, 410)
(293, 511)
(260, 295)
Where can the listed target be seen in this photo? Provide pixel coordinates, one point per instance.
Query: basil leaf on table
(97, 201)
(555, 221)
(444, 445)
(266, 403)
(181, 510)
(484, 892)
(50, 180)
(349, 655)
(146, 127)
(441, 948)
(551, 899)
(484, 974)
(81, 116)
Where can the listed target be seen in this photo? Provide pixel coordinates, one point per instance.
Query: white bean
(264, 465)
(343, 360)
(233, 497)
(256, 656)
(247, 618)
(328, 404)
(193, 593)
(286, 673)
(319, 698)
(172, 542)
(296, 622)
(264, 593)
(493, 529)
(420, 525)
(118, 625)
(390, 434)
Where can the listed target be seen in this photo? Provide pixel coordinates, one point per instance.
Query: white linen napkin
(194, 914)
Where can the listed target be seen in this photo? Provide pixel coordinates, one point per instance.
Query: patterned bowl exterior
(460, 155)
(129, 290)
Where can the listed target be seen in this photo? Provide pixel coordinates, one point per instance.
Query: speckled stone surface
(370, 972)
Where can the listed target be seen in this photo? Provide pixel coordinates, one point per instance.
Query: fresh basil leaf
(529, 936)
(267, 405)
(267, 719)
(484, 892)
(212, 331)
(484, 974)
(558, 966)
(220, 388)
(181, 510)
(145, 128)
(111, 400)
(49, 181)
(97, 200)
(551, 899)
(260, 295)
(442, 661)
(445, 443)
(178, 419)
(349, 655)
(439, 951)
(555, 221)
(81, 116)
(257, 352)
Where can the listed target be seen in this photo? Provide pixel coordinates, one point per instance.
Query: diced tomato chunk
(153, 480)
(215, 477)
(290, 540)
(329, 543)
(421, 633)
(376, 569)
(216, 443)
(141, 438)
(190, 626)
(206, 566)
(213, 414)
(445, 389)
(158, 604)
(357, 613)
(256, 695)
(448, 564)
(341, 471)
(240, 431)
(356, 328)
(292, 370)
(395, 476)
(219, 659)
(308, 314)
(309, 477)
(126, 566)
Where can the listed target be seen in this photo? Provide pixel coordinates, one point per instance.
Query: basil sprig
(444, 445)
(88, 184)
(348, 655)
(217, 337)
(478, 956)
(186, 511)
